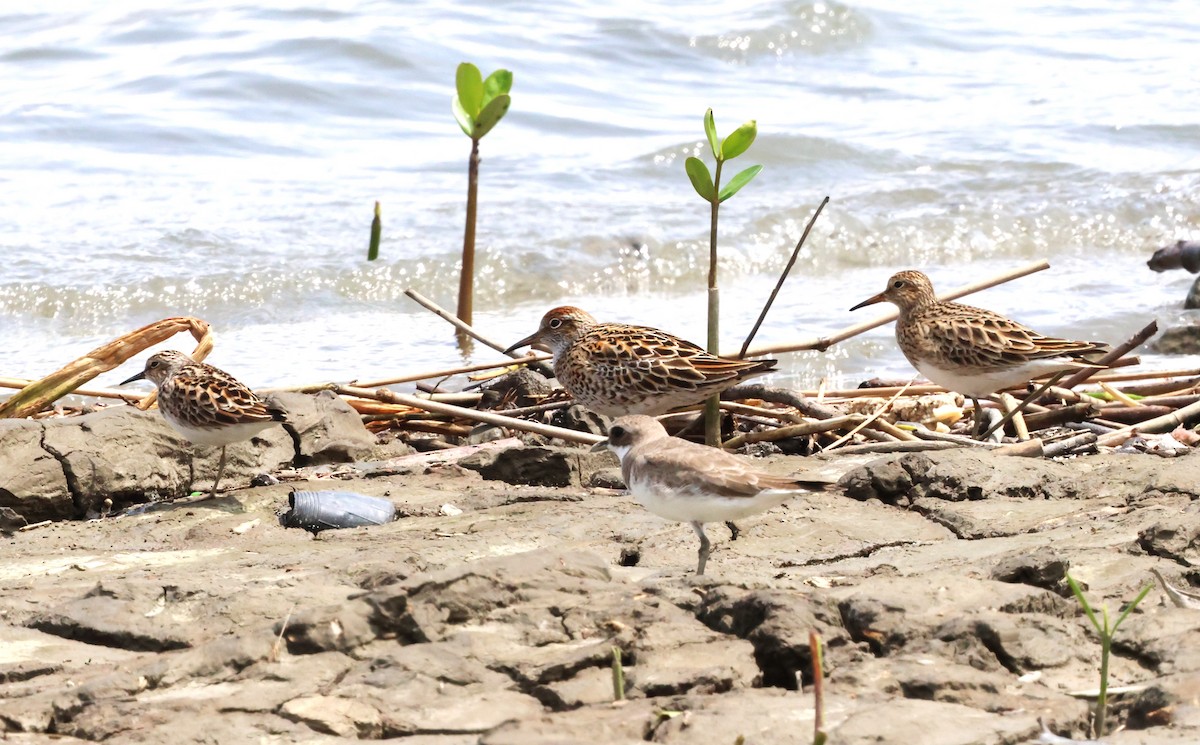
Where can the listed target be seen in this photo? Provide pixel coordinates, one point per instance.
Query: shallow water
(222, 160)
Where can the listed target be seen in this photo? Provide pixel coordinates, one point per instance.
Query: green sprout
(479, 105)
(376, 233)
(708, 186)
(1106, 633)
(618, 675)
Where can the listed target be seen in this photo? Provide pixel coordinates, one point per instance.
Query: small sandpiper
(693, 483)
(971, 350)
(205, 405)
(616, 369)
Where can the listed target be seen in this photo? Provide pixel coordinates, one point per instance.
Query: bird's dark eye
(898, 284)
(153, 363)
(616, 432)
(555, 323)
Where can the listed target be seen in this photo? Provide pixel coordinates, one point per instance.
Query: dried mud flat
(487, 613)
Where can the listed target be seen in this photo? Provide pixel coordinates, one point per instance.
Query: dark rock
(343, 628)
(532, 466)
(1175, 540)
(777, 623)
(578, 418)
(1042, 567)
(120, 616)
(957, 475)
(522, 387)
(32, 481)
(1018, 644)
(10, 521)
(1182, 339)
(325, 428)
(607, 478)
(1180, 254)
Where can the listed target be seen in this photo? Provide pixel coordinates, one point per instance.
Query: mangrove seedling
(618, 675)
(708, 186)
(818, 670)
(1106, 632)
(478, 106)
(376, 234)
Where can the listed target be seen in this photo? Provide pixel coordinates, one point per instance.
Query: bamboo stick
(117, 393)
(519, 360)
(1114, 355)
(456, 323)
(874, 415)
(1163, 423)
(795, 430)
(822, 343)
(489, 417)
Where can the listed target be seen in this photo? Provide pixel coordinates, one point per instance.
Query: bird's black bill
(523, 343)
(869, 301)
(139, 376)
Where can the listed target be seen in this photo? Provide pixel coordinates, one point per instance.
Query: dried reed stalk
(438, 374)
(474, 415)
(453, 320)
(39, 394)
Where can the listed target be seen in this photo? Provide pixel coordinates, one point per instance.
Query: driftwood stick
(1117, 353)
(1164, 423)
(795, 430)
(782, 277)
(489, 417)
(908, 446)
(453, 320)
(957, 440)
(94, 392)
(822, 343)
(874, 415)
(775, 395)
(1069, 444)
(518, 360)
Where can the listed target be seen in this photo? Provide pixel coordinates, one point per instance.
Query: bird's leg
(734, 530)
(976, 419)
(1028, 400)
(220, 471)
(704, 546)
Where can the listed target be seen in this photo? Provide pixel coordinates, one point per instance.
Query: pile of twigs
(1114, 407)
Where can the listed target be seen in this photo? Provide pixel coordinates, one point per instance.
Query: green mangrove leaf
(465, 120)
(491, 115)
(701, 178)
(376, 233)
(738, 181)
(739, 140)
(469, 84)
(710, 131)
(498, 83)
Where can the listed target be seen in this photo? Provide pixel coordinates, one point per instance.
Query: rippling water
(221, 160)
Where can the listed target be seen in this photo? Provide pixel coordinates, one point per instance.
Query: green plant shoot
(479, 104)
(708, 186)
(376, 234)
(1106, 633)
(618, 675)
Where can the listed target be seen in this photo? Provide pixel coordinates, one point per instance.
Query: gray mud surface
(488, 611)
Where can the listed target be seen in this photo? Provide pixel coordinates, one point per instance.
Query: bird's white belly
(697, 507)
(980, 383)
(216, 436)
